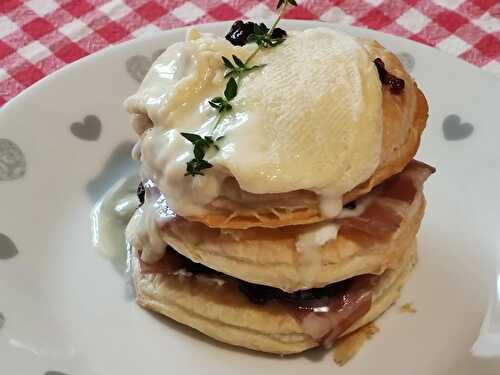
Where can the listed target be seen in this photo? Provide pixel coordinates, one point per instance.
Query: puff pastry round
(404, 119)
(226, 315)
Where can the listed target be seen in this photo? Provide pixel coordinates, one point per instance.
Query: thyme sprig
(238, 67)
(263, 37)
(221, 104)
(200, 147)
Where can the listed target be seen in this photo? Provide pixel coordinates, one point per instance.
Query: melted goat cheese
(311, 118)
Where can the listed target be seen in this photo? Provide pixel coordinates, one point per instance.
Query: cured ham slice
(328, 319)
(168, 265)
(380, 219)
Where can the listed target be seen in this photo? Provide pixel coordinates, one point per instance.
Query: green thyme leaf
(238, 62)
(191, 137)
(281, 2)
(220, 104)
(201, 146)
(262, 28)
(255, 67)
(239, 69)
(199, 150)
(262, 36)
(195, 166)
(259, 32)
(214, 104)
(231, 89)
(275, 42)
(228, 63)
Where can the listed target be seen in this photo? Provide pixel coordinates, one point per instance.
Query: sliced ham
(377, 220)
(380, 219)
(326, 323)
(168, 265)
(400, 187)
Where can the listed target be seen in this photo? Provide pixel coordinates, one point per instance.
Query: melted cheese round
(310, 119)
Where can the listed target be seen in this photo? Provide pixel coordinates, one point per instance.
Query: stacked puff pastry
(259, 251)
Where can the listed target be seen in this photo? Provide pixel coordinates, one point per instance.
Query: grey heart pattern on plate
(88, 130)
(2, 320)
(54, 373)
(8, 248)
(12, 161)
(454, 129)
(138, 65)
(407, 60)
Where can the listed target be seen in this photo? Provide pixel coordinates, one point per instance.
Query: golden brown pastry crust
(227, 316)
(404, 115)
(349, 345)
(405, 118)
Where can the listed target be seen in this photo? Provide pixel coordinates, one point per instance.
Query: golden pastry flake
(407, 308)
(347, 347)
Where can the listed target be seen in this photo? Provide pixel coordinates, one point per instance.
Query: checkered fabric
(38, 37)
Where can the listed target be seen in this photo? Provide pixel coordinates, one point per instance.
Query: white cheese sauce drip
(309, 243)
(119, 206)
(316, 237)
(110, 216)
(144, 229)
(310, 119)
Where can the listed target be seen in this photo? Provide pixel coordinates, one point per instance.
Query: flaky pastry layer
(404, 119)
(224, 314)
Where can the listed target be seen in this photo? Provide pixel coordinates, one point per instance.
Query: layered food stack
(280, 200)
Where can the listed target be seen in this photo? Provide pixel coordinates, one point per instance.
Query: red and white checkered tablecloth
(38, 37)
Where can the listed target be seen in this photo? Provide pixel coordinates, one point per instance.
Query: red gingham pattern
(38, 37)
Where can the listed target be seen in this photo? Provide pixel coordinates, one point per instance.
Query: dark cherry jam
(304, 300)
(351, 205)
(141, 192)
(396, 84)
(240, 31)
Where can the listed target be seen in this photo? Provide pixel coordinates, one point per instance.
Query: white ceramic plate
(64, 308)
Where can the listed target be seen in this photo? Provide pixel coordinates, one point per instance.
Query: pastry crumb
(348, 346)
(407, 308)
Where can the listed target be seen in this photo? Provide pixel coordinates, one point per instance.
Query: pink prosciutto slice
(381, 219)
